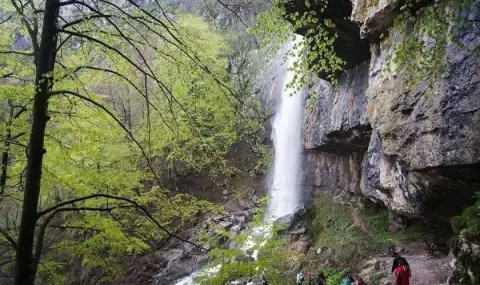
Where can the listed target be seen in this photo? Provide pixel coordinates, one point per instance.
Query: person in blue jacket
(348, 280)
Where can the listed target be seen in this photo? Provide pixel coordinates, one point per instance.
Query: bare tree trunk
(24, 262)
(6, 151)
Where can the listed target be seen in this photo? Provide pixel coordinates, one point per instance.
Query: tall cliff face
(412, 148)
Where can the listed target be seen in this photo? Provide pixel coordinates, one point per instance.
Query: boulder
(225, 225)
(300, 246)
(235, 230)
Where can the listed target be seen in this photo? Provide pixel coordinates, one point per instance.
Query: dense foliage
(276, 26)
(131, 87)
(468, 223)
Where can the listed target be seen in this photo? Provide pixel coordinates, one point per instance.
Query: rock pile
(179, 259)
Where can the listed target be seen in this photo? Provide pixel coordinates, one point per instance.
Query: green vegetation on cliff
(465, 246)
(425, 35)
(343, 236)
(468, 223)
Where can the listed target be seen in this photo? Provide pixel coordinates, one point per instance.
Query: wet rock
(218, 218)
(299, 229)
(300, 246)
(177, 263)
(285, 220)
(256, 201)
(225, 225)
(176, 260)
(235, 230)
(241, 219)
(232, 246)
(292, 219)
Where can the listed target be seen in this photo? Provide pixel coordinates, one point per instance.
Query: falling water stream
(286, 135)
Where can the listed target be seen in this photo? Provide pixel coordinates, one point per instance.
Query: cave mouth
(416, 229)
(452, 189)
(348, 46)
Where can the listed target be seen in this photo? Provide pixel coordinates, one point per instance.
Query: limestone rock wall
(372, 137)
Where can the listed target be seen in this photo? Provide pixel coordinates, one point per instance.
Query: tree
(70, 54)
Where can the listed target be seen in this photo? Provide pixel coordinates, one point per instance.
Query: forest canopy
(100, 101)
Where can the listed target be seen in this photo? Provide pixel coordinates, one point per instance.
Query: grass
(342, 243)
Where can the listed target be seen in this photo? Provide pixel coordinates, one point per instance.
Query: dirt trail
(425, 271)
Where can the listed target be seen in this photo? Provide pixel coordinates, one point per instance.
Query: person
(396, 259)
(321, 280)
(309, 278)
(300, 278)
(348, 280)
(401, 274)
(360, 281)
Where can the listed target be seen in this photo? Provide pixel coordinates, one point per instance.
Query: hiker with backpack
(402, 273)
(397, 259)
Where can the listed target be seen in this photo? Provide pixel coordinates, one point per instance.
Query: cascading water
(286, 135)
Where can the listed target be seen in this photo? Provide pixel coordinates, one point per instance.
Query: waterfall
(286, 177)
(286, 135)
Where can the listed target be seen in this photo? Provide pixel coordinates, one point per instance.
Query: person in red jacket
(360, 281)
(401, 274)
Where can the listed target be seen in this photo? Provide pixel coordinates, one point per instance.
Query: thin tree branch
(130, 134)
(33, 33)
(9, 238)
(16, 52)
(7, 262)
(233, 12)
(6, 20)
(6, 75)
(132, 202)
(86, 18)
